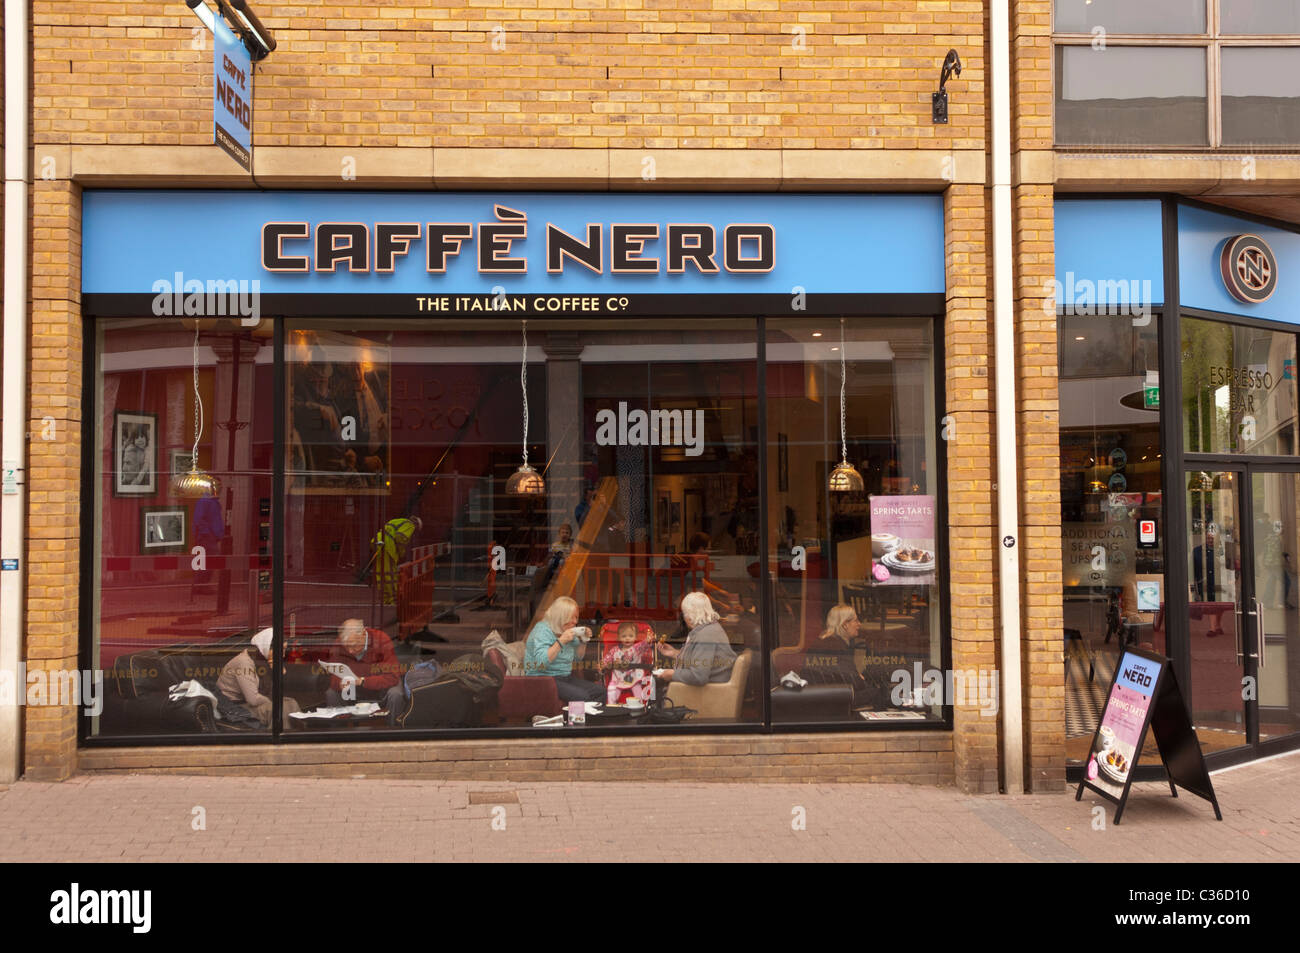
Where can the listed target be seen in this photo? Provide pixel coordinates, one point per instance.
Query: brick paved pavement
(149, 817)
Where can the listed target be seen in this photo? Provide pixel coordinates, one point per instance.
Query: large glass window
(1124, 16)
(1254, 17)
(855, 572)
(1130, 95)
(644, 441)
(182, 578)
(1261, 95)
(431, 580)
(1239, 389)
(1142, 74)
(1113, 543)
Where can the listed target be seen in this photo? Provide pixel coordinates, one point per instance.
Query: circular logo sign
(1249, 269)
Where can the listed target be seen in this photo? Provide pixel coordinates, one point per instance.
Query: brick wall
(971, 524)
(919, 758)
(54, 467)
(583, 73)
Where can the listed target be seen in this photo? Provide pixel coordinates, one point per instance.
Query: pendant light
(844, 478)
(197, 483)
(525, 481)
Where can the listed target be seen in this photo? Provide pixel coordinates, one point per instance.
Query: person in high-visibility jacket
(390, 545)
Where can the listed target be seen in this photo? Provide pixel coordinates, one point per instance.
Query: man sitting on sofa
(369, 654)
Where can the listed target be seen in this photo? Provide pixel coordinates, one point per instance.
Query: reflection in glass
(1261, 95)
(399, 517)
(182, 586)
(1111, 463)
(854, 573)
(1124, 95)
(1214, 601)
(1276, 499)
(1125, 16)
(1239, 389)
(1281, 17)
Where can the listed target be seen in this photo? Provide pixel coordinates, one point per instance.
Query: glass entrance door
(1275, 552)
(1217, 575)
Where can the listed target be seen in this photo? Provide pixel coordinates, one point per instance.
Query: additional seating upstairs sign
(232, 95)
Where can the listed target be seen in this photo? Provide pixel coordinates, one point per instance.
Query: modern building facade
(1016, 388)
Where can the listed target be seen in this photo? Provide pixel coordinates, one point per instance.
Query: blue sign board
(1109, 255)
(1202, 238)
(436, 245)
(232, 95)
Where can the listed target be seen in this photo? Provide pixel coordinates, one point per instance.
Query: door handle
(1259, 630)
(1253, 612)
(1241, 622)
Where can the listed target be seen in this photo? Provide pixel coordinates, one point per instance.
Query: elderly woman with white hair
(246, 680)
(554, 645)
(707, 655)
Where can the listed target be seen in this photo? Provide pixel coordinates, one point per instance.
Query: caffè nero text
(500, 247)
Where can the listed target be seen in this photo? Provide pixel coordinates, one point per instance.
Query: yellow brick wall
(550, 73)
(54, 467)
(1037, 424)
(971, 523)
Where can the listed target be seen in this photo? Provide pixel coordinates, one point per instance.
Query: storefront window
(430, 581)
(1239, 389)
(182, 578)
(855, 574)
(400, 516)
(1113, 544)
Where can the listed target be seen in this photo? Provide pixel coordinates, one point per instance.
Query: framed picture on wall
(338, 415)
(162, 530)
(181, 461)
(135, 454)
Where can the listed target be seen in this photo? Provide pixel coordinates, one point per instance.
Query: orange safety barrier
(415, 591)
(651, 587)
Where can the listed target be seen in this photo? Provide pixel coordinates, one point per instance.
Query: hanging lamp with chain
(844, 478)
(525, 481)
(197, 483)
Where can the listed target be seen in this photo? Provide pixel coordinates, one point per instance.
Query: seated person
(248, 683)
(628, 663)
(829, 660)
(707, 655)
(553, 646)
(370, 655)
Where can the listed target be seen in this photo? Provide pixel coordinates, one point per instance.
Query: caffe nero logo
(1249, 269)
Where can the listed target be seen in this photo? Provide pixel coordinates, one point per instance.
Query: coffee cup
(882, 543)
(1105, 738)
(635, 704)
